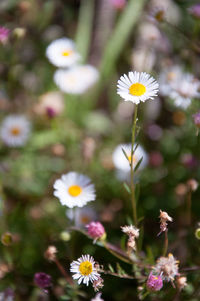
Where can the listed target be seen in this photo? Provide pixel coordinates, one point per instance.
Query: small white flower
(97, 297)
(167, 77)
(76, 80)
(62, 53)
(15, 130)
(131, 230)
(121, 162)
(81, 216)
(137, 87)
(84, 269)
(184, 89)
(74, 189)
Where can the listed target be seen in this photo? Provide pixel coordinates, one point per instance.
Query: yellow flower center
(134, 158)
(15, 131)
(137, 89)
(67, 53)
(74, 190)
(85, 268)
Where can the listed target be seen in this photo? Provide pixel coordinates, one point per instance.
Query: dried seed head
(181, 282)
(50, 253)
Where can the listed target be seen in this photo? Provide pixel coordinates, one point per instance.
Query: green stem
(84, 30)
(133, 200)
(114, 253)
(165, 243)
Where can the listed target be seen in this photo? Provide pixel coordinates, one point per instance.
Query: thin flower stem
(115, 253)
(189, 205)
(125, 276)
(133, 200)
(165, 243)
(63, 272)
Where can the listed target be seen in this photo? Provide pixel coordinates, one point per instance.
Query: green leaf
(138, 164)
(111, 268)
(127, 188)
(125, 154)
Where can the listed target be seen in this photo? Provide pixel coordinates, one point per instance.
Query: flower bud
(154, 283)
(96, 230)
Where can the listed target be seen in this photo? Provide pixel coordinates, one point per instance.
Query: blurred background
(76, 125)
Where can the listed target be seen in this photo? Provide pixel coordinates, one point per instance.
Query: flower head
(7, 295)
(84, 269)
(76, 80)
(15, 130)
(118, 4)
(95, 230)
(196, 118)
(50, 104)
(74, 189)
(137, 87)
(50, 253)
(167, 267)
(181, 282)
(132, 233)
(4, 34)
(62, 53)
(195, 10)
(97, 297)
(164, 218)
(42, 280)
(154, 283)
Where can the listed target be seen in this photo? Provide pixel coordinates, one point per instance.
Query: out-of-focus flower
(143, 58)
(137, 87)
(118, 4)
(195, 10)
(97, 297)
(4, 34)
(184, 89)
(81, 216)
(197, 233)
(19, 32)
(74, 189)
(50, 104)
(84, 270)
(172, 12)
(179, 118)
(7, 239)
(122, 164)
(192, 184)
(62, 53)
(167, 267)
(4, 269)
(98, 284)
(58, 149)
(167, 77)
(65, 236)
(95, 230)
(196, 118)
(154, 283)
(42, 280)
(158, 14)
(15, 130)
(88, 148)
(132, 233)
(181, 282)
(76, 80)
(154, 132)
(181, 190)
(50, 253)
(190, 161)
(155, 159)
(7, 295)
(164, 219)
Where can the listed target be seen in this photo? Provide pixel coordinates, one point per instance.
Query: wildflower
(118, 4)
(4, 34)
(74, 189)
(95, 230)
(7, 295)
(164, 218)
(62, 53)
(137, 87)
(192, 184)
(76, 80)
(81, 216)
(97, 297)
(181, 282)
(158, 13)
(195, 10)
(7, 239)
(98, 284)
(50, 253)
(196, 118)
(15, 130)
(167, 267)
(132, 233)
(155, 159)
(42, 280)
(154, 283)
(50, 104)
(122, 164)
(190, 161)
(167, 77)
(84, 269)
(197, 233)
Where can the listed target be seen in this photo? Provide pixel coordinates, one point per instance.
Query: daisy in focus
(76, 80)
(84, 270)
(74, 189)
(15, 130)
(62, 53)
(123, 165)
(137, 87)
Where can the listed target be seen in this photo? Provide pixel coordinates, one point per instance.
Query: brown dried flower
(50, 253)
(132, 233)
(164, 218)
(181, 282)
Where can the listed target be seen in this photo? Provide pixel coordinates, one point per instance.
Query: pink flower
(118, 4)
(154, 283)
(196, 118)
(195, 10)
(4, 33)
(95, 230)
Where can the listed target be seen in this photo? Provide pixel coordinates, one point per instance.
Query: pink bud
(154, 283)
(95, 230)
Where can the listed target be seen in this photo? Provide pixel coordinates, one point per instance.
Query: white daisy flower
(62, 53)
(184, 89)
(169, 75)
(76, 80)
(74, 189)
(15, 130)
(84, 269)
(137, 87)
(121, 162)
